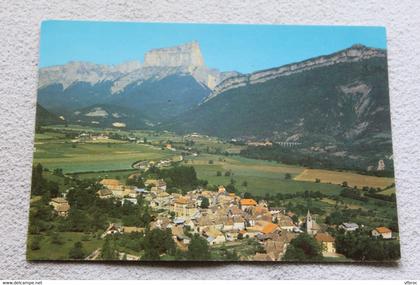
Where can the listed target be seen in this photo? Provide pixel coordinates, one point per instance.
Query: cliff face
(158, 63)
(353, 54)
(188, 54)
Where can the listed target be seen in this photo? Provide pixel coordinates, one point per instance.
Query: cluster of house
(219, 217)
(146, 164)
(84, 137)
(61, 206)
(169, 146)
(225, 218)
(259, 143)
(328, 242)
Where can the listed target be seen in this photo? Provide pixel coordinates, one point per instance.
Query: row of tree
(359, 245)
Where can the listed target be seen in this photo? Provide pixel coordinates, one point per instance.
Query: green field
(261, 176)
(113, 159)
(388, 191)
(51, 251)
(83, 157)
(119, 174)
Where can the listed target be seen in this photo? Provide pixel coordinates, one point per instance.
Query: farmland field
(337, 177)
(255, 176)
(113, 159)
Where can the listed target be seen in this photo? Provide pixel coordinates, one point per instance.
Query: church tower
(309, 223)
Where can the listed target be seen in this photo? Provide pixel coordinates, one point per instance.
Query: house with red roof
(382, 231)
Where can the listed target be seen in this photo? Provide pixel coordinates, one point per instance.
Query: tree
(228, 255)
(218, 173)
(245, 183)
(248, 195)
(58, 172)
(150, 254)
(359, 245)
(56, 238)
(198, 249)
(210, 161)
(38, 182)
(303, 248)
(157, 242)
(35, 244)
(77, 251)
(109, 251)
(287, 176)
(205, 203)
(184, 177)
(344, 184)
(230, 188)
(52, 189)
(172, 214)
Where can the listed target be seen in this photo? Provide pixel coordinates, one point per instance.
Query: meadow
(84, 157)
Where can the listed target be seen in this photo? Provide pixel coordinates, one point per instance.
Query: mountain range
(342, 95)
(169, 82)
(340, 99)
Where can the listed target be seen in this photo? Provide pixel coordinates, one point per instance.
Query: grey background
(19, 38)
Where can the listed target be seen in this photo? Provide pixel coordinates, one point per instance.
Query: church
(311, 226)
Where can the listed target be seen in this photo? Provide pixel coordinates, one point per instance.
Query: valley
(77, 153)
(170, 159)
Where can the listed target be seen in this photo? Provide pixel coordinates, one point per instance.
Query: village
(219, 217)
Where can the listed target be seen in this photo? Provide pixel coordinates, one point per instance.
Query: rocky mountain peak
(188, 54)
(158, 63)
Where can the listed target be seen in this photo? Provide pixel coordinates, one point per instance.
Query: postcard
(212, 142)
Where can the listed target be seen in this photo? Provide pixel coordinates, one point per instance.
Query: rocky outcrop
(188, 55)
(352, 54)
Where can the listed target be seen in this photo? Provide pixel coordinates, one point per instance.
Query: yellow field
(336, 177)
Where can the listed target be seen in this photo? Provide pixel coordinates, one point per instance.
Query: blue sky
(244, 48)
